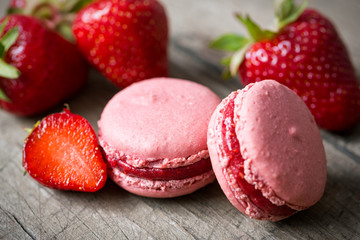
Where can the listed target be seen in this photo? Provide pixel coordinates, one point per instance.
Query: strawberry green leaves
(229, 42)
(3, 96)
(256, 33)
(80, 5)
(6, 41)
(286, 12)
(9, 38)
(8, 71)
(239, 44)
(55, 14)
(233, 43)
(237, 58)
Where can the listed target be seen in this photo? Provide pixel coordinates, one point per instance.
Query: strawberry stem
(66, 107)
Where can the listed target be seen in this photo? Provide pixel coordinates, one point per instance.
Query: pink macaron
(267, 152)
(154, 136)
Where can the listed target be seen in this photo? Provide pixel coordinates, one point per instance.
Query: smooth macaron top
(158, 118)
(281, 144)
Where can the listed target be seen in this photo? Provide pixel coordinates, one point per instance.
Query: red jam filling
(195, 169)
(231, 147)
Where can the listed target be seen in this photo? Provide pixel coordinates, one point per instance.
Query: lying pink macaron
(153, 134)
(267, 152)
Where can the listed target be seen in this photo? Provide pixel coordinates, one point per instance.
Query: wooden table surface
(31, 211)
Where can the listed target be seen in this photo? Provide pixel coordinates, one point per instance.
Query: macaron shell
(137, 162)
(159, 118)
(281, 144)
(160, 189)
(220, 160)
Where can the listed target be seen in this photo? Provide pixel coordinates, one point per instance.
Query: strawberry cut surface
(195, 169)
(62, 152)
(231, 148)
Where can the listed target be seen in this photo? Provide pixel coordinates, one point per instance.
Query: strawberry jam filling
(195, 169)
(231, 147)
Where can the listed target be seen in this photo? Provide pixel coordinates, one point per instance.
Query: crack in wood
(62, 230)
(12, 216)
(23, 227)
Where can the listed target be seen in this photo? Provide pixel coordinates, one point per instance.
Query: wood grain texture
(30, 211)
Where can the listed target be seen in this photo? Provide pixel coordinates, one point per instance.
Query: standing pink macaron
(154, 133)
(267, 152)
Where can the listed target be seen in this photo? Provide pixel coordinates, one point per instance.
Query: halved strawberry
(62, 152)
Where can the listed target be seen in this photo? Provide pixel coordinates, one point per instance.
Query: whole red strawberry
(62, 152)
(41, 68)
(308, 56)
(125, 40)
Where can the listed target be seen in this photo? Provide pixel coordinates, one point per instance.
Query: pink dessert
(153, 134)
(267, 152)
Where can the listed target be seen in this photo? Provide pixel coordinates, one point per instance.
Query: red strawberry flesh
(62, 152)
(231, 148)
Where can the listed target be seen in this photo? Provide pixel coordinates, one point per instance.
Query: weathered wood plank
(206, 214)
(30, 211)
